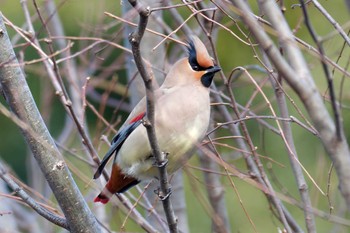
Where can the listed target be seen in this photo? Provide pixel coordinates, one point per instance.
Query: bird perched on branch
(182, 112)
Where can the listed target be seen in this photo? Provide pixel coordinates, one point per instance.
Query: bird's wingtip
(97, 174)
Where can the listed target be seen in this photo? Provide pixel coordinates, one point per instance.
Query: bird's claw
(161, 195)
(162, 164)
(164, 161)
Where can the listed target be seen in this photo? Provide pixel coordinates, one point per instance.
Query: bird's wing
(131, 123)
(140, 108)
(118, 141)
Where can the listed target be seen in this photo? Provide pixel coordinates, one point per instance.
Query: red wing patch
(137, 118)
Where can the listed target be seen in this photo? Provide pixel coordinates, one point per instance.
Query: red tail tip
(103, 200)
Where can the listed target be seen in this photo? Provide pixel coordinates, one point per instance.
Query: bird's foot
(161, 195)
(163, 162)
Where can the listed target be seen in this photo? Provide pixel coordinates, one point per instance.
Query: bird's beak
(213, 69)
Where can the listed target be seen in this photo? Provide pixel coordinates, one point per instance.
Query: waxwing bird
(182, 112)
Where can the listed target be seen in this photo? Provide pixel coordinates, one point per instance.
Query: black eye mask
(192, 58)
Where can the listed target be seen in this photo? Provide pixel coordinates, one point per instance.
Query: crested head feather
(198, 55)
(198, 66)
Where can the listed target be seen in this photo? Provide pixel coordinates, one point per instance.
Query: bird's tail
(118, 183)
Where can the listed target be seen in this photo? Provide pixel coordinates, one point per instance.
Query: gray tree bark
(51, 162)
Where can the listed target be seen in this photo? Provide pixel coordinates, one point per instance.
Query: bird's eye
(195, 68)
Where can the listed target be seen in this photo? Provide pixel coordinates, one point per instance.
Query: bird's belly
(136, 160)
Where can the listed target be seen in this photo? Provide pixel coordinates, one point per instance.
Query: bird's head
(201, 62)
(197, 67)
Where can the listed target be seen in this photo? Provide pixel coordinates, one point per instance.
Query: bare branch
(332, 21)
(292, 153)
(299, 78)
(336, 111)
(161, 160)
(19, 98)
(59, 221)
(216, 193)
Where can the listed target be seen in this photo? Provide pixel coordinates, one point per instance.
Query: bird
(181, 120)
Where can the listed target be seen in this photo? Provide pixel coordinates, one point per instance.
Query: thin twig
(161, 161)
(331, 20)
(296, 72)
(292, 153)
(305, 45)
(147, 29)
(331, 207)
(20, 99)
(336, 112)
(290, 119)
(216, 194)
(58, 220)
(343, 77)
(173, 6)
(64, 94)
(177, 18)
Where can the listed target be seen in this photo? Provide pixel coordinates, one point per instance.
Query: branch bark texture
(165, 190)
(59, 221)
(51, 162)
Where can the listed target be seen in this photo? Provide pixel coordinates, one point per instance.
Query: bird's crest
(198, 56)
